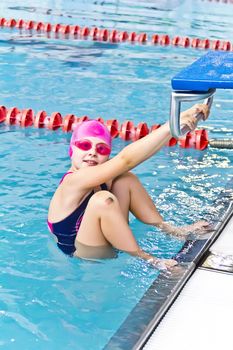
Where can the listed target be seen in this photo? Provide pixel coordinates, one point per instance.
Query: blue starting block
(199, 81)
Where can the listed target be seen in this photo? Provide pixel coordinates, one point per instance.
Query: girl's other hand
(199, 227)
(163, 264)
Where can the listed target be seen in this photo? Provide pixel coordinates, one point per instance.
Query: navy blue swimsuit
(66, 230)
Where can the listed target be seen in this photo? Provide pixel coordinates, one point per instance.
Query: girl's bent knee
(102, 199)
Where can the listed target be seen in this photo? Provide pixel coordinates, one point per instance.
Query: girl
(88, 213)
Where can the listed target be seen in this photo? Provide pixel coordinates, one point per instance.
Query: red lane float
(2, 113)
(20, 23)
(54, 121)
(155, 39)
(140, 131)
(93, 33)
(23, 118)
(29, 25)
(39, 119)
(114, 36)
(201, 139)
(132, 36)
(127, 130)
(165, 40)
(113, 127)
(68, 121)
(47, 27)
(197, 139)
(142, 38)
(123, 36)
(27, 117)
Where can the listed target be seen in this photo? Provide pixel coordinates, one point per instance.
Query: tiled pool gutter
(142, 321)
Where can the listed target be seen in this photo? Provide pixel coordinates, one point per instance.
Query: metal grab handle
(180, 96)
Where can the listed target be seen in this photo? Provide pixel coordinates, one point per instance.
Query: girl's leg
(133, 197)
(104, 223)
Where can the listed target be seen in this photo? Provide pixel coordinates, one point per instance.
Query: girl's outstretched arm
(134, 153)
(138, 151)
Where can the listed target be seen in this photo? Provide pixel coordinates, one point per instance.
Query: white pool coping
(224, 243)
(201, 316)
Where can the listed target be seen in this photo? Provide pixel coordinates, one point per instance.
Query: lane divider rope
(114, 36)
(197, 139)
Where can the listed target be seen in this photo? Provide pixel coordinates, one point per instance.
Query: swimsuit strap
(69, 172)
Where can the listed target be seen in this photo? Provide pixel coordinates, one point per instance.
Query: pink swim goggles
(101, 148)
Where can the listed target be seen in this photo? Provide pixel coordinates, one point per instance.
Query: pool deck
(201, 316)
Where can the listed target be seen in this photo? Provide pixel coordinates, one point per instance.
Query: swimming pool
(49, 300)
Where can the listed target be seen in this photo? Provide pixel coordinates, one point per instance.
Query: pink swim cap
(90, 128)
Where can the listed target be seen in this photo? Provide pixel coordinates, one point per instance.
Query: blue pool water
(49, 301)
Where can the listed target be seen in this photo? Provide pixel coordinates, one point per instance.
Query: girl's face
(90, 151)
